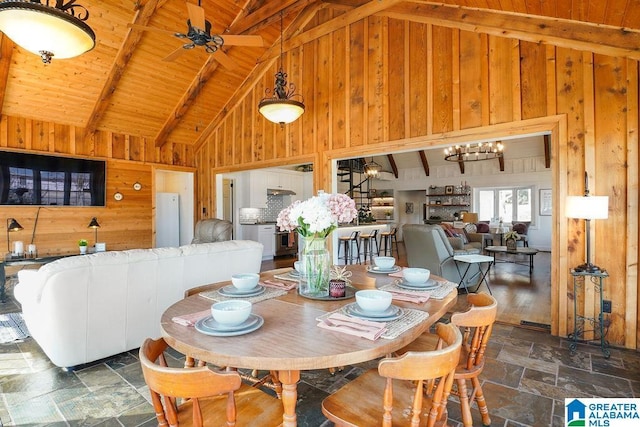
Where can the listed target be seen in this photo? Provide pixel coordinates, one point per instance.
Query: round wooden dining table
(290, 340)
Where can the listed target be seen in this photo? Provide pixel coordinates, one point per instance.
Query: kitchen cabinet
(263, 233)
(257, 189)
(286, 180)
(260, 180)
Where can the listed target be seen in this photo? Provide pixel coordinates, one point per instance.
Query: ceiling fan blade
(225, 60)
(156, 30)
(196, 16)
(174, 55)
(234, 40)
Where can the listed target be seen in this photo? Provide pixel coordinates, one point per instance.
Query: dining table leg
(289, 381)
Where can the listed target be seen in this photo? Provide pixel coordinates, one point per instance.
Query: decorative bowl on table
(231, 312)
(297, 266)
(416, 275)
(384, 262)
(245, 281)
(373, 300)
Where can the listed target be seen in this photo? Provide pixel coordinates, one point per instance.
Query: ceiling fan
(199, 34)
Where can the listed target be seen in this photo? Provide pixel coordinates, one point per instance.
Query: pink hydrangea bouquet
(318, 216)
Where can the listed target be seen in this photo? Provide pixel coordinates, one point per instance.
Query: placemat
(439, 293)
(268, 294)
(395, 328)
(287, 276)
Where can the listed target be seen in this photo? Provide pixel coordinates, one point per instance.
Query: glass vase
(316, 264)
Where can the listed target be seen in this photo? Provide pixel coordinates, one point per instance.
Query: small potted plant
(82, 245)
(511, 237)
(388, 214)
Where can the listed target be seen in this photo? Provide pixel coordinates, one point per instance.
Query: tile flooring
(527, 376)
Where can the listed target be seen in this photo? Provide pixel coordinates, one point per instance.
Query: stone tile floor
(527, 376)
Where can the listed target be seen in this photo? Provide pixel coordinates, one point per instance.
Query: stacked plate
(426, 286)
(209, 326)
(391, 313)
(233, 292)
(378, 270)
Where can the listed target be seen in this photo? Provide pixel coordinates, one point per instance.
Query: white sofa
(84, 308)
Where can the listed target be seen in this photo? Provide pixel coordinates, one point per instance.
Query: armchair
(522, 228)
(427, 246)
(212, 230)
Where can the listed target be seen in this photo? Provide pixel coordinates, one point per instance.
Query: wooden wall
(124, 224)
(382, 84)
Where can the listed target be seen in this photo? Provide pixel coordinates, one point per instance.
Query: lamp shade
(281, 110)
(470, 217)
(587, 207)
(13, 225)
(40, 28)
(93, 223)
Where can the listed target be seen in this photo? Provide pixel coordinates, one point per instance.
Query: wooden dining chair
(476, 324)
(203, 395)
(393, 395)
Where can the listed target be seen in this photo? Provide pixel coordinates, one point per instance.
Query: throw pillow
(470, 228)
(458, 232)
(482, 227)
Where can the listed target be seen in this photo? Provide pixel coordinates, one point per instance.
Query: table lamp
(588, 207)
(470, 217)
(12, 225)
(94, 224)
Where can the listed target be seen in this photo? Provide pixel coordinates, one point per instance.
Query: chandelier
(474, 152)
(47, 30)
(372, 169)
(281, 107)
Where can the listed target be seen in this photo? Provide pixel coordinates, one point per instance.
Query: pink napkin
(279, 285)
(353, 326)
(191, 319)
(418, 297)
(397, 273)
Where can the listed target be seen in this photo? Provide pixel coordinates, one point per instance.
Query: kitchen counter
(346, 230)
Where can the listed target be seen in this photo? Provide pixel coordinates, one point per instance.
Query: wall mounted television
(34, 179)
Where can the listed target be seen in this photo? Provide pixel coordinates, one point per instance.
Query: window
(506, 204)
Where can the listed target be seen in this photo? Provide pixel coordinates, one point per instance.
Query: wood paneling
(406, 82)
(124, 224)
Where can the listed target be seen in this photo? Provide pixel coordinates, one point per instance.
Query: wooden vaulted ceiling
(124, 86)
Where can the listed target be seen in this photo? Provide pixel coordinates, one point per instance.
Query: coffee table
(530, 252)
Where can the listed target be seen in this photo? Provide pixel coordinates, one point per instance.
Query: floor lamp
(588, 207)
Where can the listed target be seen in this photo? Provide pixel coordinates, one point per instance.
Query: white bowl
(416, 275)
(231, 312)
(373, 300)
(298, 266)
(245, 281)
(384, 262)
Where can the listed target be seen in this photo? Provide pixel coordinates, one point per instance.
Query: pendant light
(47, 30)
(281, 107)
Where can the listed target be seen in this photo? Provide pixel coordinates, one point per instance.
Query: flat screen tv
(34, 179)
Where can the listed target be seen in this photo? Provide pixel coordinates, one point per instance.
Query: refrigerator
(167, 220)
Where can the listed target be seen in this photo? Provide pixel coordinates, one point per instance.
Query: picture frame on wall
(546, 205)
(448, 189)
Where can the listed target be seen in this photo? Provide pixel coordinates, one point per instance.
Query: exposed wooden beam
(131, 40)
(267, 14)
(394, 167)
(298, 23)
(461, 164)
(501, 162)
(547, 151)
(6, 51)
(425, 162)
(598, 38)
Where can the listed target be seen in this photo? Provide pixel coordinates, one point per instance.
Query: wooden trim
(6, 52)
(631, 333)
(597, 38)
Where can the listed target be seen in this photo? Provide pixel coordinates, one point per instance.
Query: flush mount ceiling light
(474, 152)
(280, 106)
(372, 169)
(54, 28)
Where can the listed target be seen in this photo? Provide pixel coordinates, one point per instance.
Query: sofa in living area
(428, 246)
(85, 308)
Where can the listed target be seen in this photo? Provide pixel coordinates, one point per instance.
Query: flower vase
(316, 264)
(511, 244)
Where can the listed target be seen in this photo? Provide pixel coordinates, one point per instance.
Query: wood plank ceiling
(124, 86)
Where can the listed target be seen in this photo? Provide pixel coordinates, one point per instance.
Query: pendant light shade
(281, 105)
(45, 30)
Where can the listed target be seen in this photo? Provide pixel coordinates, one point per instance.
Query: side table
(474, 259)
(580, 279)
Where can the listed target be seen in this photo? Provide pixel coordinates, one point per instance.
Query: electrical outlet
(606, 306)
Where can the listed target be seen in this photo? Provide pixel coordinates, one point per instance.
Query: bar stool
(367, 241)
(387, 239)
(348, 243)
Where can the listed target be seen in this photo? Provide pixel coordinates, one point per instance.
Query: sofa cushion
(482, 227)
(471, 228)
